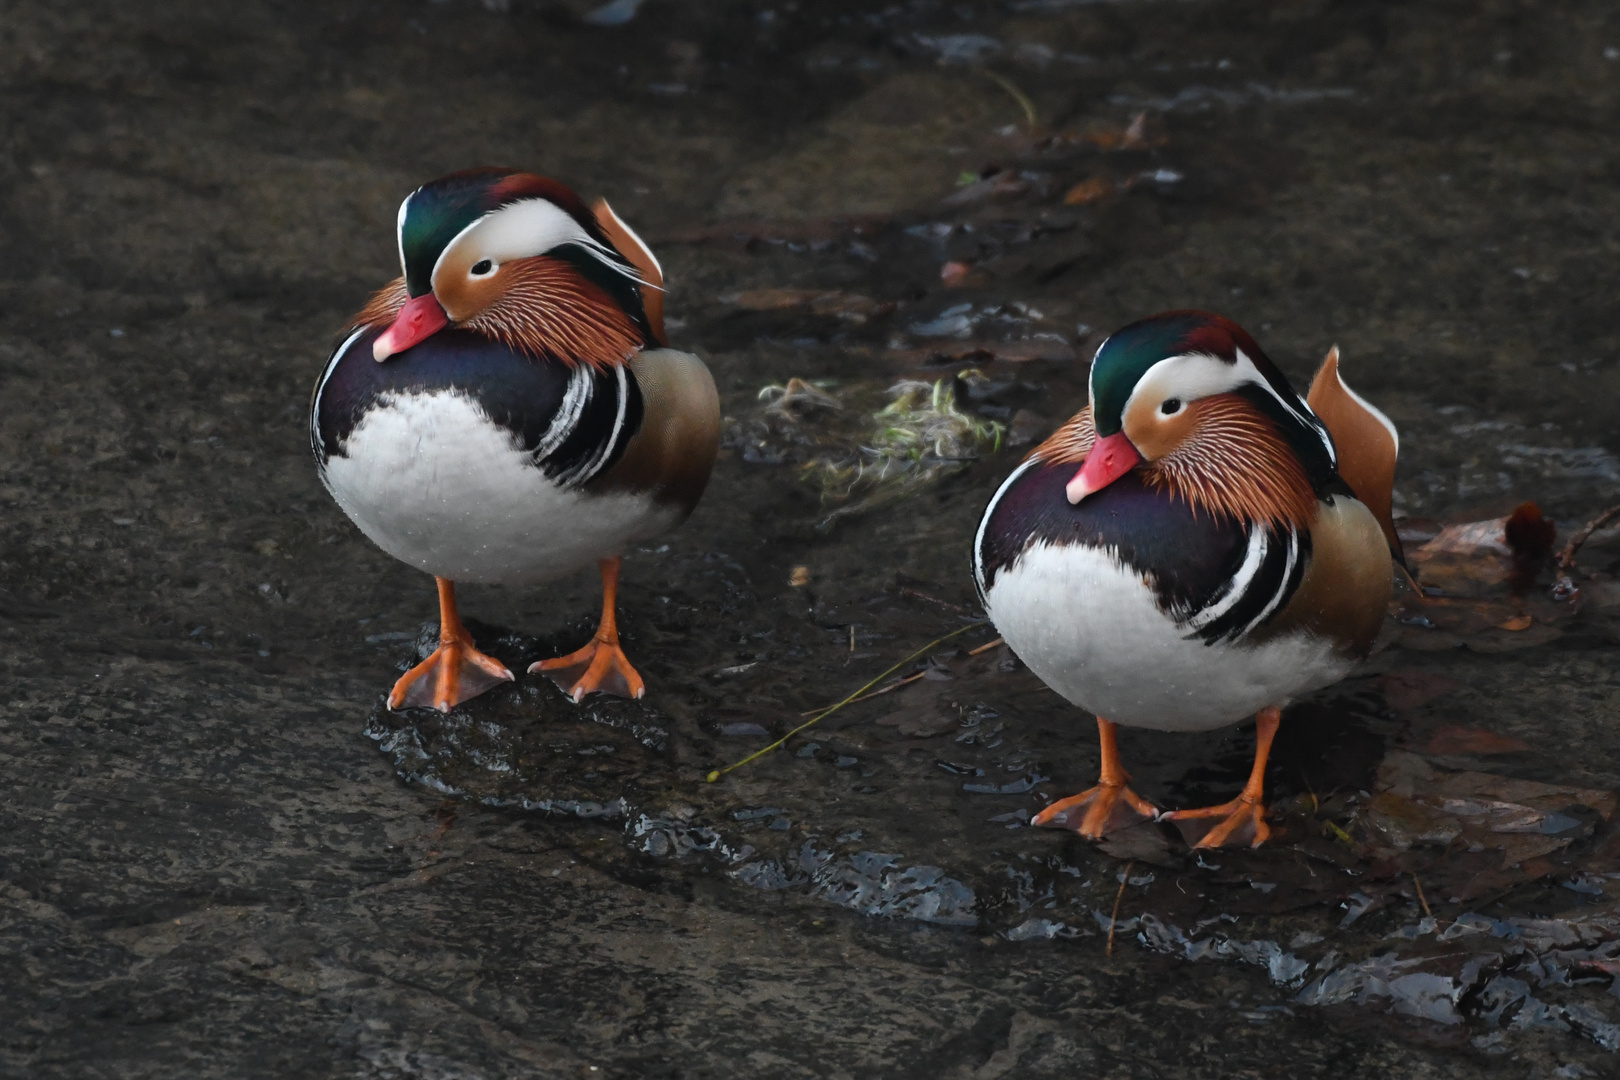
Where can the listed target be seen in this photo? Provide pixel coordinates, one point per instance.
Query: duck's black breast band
(1191, 560)
(576, 421)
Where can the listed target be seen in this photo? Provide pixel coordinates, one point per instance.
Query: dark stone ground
(208, 869)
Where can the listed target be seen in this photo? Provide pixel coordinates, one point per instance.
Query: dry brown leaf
(1398, 822)
(1089, 191)
(1410, 689)
(1002, 185)
(1134, 137)
(772, 299)
(848, 306)
(1462, 740)
(1517, 622)
(1531, 793)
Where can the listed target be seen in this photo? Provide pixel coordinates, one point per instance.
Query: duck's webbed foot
(455, 672)
(1244, 818)
(601, 666)
(1108, 808)
(1244, 821)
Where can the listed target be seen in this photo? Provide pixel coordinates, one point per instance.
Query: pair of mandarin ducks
(1196, 546)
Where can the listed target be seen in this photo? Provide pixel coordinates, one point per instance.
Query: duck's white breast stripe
(320, 388)
(1252, 560)
(984, 523)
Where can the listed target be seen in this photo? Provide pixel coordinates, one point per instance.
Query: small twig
(1566, 558)
(1113, 920)
(1017, 95)
(716, 774)
(1421, 898)
(908, 680)
(920, 595)
(879, 692)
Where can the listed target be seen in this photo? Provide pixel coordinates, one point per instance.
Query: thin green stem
(829, 710)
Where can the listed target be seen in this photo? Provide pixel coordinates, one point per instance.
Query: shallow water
(209, 866)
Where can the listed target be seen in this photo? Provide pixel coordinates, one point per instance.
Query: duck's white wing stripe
(575, 399)
(607, 447)
(1253, 559)
(1283, 586)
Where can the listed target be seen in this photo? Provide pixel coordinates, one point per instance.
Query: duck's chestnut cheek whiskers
(1109, 460)
(418, 320)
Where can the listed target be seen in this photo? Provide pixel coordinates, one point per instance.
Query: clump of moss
(920, 435)
(859, 453)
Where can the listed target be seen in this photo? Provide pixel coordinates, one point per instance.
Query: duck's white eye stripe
(527, 228)
(399, 227)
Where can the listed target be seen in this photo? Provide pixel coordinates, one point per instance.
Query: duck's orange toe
(599, 668)
(1243, 820)
(456, 672)
(1108, 808)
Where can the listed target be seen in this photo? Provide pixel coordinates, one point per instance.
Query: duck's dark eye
(1171, 406)
(482, 267)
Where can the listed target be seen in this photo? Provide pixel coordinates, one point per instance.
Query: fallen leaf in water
(1472, 813)
(1463, 557)
(848, 306)
(1089, 191)
(1399, 822)
(1143, 842)
(1531, 793)
(961, 275)
(1528, 532)
(1462, 740)
(1468, 538)
(1134, 137)
(1001, 185)
(1410, 689)
(851, 307)
(1479, 586)
(771, 299)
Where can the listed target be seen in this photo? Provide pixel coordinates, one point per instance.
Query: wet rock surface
(222, 856)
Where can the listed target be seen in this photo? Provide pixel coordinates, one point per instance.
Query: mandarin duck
(506, 411)
(1195, 546)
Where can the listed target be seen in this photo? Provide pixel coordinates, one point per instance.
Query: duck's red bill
(1109, 460)
(418, 320)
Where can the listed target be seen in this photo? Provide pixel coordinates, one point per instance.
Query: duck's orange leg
(1111, 804)
(1245, 815)
(459, 671)
(601, 665)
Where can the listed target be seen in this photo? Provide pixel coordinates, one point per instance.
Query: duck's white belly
(433, 482)
(1091, 629)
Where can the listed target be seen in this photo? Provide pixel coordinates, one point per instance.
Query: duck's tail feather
(1366, 441)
